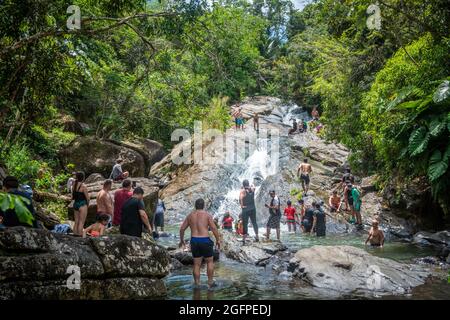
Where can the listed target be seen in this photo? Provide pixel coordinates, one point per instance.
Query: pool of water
(236, 281)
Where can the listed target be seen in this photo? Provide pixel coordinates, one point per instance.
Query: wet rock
(34, 264)
(368, 184)
(346, 269)
(438, 239)
(252, 252)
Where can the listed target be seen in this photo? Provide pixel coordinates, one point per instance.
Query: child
(239, 226)
(376, 236)
(334, 202)
(227, 222)
(289, 213)
(97, 229)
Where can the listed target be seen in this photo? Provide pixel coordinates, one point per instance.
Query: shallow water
(236, 281)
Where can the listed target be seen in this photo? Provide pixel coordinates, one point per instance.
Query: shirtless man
(256, 122)
(376, 236)
(202, 246)
(303, 172)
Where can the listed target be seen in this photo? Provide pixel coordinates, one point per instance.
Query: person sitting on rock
(134, 217)
(239, 226)
(376, 236)
(117, 174)
(227, 222)
(334, 202)
(10, 217)
(105, 205)
(294, 127)
(289, 213)
(98, 228)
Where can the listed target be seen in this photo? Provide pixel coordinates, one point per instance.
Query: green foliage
(19, 204)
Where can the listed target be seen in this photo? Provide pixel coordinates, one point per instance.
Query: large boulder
(150, 150)
(343, 270)
(150, 196)
(93, 155)
(36, 264)
(252, 252)
(438, 239)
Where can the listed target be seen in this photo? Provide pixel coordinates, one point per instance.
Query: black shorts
(305, 178)
(307, 225)
(159, 220)
(202, 249)
(350, 201)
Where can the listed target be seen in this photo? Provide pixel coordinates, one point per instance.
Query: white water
(256, 168)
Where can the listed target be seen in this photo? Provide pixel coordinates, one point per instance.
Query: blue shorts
(202, 247)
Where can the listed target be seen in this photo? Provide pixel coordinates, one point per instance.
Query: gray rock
(95, 177)
(439, 239)
(34, 264)
(346, 269)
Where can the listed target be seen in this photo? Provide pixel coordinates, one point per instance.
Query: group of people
(125, 209)
(239, 120)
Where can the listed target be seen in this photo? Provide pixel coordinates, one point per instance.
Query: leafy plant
(19, 205)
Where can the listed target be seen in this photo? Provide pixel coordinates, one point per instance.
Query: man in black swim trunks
(303, 172)
(202, 247)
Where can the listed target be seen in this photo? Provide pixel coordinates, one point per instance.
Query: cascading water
(257, 167)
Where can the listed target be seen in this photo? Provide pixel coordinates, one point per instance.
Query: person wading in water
(247, 202)
(274, 215)
(303, 172)
(202, 246)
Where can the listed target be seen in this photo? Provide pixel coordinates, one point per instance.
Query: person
(235, 115)
(240, 119)
(357, 202)
(346, 179)
(120, 197)
(227, 222)
(247, 202)
(308, 218)
(80, 196)
(319, 221)
(289, 213)
(376, 236)
(303, 171)
(334, 202)
(256, 122)
(202, 247)
(315, 114)
(134, 217)
(10, 217)
(239, 226)
(159, 215)
(294, 127)
(117, 174)
(300, 214)
(98, 228)
(274, 215)
(105, 205)
(70, 182)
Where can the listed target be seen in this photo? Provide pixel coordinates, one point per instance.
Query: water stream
(241, 281)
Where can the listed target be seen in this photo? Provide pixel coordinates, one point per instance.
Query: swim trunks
(305, 177)
(202, 247)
